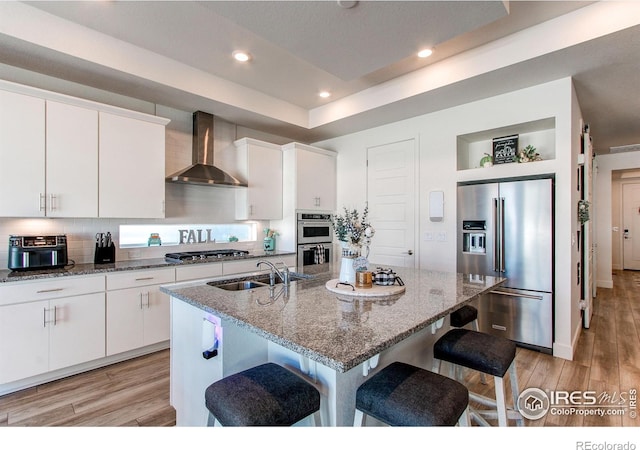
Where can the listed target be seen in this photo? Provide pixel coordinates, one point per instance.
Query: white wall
(604, 196)
(436, 135)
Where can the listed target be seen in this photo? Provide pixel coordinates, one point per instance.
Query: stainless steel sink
(257, 282)
(239, 285)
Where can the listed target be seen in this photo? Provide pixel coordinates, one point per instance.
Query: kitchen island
(334, 340)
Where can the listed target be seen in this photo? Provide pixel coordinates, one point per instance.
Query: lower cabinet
(46, 335)
(137, 316)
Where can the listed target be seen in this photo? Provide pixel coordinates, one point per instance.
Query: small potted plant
(486, 160)
(269, 241)
(528, 154)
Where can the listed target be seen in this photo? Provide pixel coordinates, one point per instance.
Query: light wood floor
(136, 392)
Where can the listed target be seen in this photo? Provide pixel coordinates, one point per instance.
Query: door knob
(409, 252)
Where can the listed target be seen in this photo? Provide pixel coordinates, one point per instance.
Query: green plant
(353, 229)
(528, 154)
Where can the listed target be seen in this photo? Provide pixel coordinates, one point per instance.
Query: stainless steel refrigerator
(506, 228)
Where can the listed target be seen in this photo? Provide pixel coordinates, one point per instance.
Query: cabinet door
(316, 181)
(262, 200)
(24, 340)
(72, 161)
(131, 175)
(125, 320)
(77, 333)
(22, 155)
(156, 316)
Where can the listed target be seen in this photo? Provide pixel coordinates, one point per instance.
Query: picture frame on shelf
(505, 149)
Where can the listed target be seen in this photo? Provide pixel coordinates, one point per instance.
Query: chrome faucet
(284, 274)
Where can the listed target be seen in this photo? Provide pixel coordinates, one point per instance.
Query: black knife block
(105, 255)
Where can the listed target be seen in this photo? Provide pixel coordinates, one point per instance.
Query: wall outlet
(428, 236)
(441, 237)
(134, 254)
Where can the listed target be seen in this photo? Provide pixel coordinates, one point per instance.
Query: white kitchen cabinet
(22, 155)
(260, 164)
(137, 312)
(131, 167)
(72, 161)
(310, 174)
(198, 271)
(40, 336)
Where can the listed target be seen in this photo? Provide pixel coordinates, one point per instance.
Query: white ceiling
(178, 54)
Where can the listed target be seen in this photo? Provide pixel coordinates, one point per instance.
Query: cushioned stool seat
(485, 353)
(404, 395)
(462, 316)
(265, 395)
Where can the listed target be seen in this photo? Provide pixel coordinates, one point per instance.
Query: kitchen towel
(318, 254)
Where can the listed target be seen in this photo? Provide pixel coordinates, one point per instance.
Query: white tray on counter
(374, 291)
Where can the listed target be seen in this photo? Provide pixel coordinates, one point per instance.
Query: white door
(631, 225)
(125, 318)
(156, 316)
(391, 199)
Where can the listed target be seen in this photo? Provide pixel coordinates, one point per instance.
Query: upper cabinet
(72, 161)
(260, 164)
(309, 177)
(131, 167)
(22, 157)
(62, 156)
(473, 147)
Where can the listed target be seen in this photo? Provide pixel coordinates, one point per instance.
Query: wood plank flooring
(136, 392)
(607, 358)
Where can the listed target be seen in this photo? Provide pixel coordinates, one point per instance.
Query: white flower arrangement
(353, 229)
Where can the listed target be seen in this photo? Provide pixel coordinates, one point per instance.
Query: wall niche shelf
(472, 147)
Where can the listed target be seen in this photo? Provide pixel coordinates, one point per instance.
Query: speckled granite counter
(339, 332)
(138, 264)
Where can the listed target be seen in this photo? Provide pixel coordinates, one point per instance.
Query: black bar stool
(265, 395)
(460, 318)
(405, 395)
(485, 353)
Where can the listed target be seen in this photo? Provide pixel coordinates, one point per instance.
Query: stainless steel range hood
(202, 171)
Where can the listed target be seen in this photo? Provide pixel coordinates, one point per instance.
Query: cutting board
(374, 291)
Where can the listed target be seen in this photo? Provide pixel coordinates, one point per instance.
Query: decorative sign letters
(505, 149)
(195, 236)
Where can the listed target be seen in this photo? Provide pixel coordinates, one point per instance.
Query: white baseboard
(608, 284)
(564, 351)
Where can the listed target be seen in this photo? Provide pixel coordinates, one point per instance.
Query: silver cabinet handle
(52, 202)
(49, 290)
(44, 317)
(55, 315)
(144, 278)
(42, 202)
(146, 294)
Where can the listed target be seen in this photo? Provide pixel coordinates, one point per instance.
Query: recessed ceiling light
(241, 56)
(324, 94)
(425, 53)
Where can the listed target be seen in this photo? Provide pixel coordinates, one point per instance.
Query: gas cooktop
(204, 254)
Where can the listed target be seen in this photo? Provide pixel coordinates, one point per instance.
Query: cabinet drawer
(136, 278)
(47, 289)
(198, 271)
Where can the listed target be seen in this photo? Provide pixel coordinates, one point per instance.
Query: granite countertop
(137, 264)
(336, 330)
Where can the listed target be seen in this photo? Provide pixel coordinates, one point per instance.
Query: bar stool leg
(500, 401)
(475, 327)
(515, 392)
(465, 418)
(358, 419)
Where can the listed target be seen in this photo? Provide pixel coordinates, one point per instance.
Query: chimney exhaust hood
(202, 171)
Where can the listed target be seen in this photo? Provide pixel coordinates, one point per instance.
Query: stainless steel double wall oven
(315, 240)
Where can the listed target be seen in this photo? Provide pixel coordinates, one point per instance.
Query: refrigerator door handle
(502, 263)
(514, 294)
(496, 235)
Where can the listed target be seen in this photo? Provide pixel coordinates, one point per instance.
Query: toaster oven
(37, 252)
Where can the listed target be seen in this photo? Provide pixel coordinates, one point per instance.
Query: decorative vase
(269, 244)
(347, 269)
